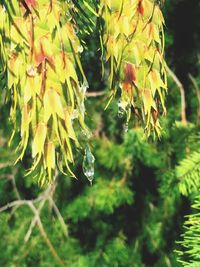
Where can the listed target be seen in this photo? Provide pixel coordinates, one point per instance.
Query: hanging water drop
(121, 110)
(80, 48)
(125, 128)
(88, 164)
(76, 30)
(83, 90)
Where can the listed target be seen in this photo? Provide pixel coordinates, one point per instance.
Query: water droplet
(125, 127)
(121, 110)
(76, 30)
(88, 164)
(83, 89)
(80, 48)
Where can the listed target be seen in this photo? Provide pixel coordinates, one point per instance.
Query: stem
(182, 92)
(45, 236)
(95, 94)
(198, 96)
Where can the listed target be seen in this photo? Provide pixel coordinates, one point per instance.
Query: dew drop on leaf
(121, 110)
(80, 48)
(88, 164)
(76, 30)
(125, 127)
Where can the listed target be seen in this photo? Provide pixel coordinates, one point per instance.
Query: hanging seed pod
(40, 51)
(133, 43)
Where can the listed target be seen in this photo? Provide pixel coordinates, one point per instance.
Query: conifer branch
(189, 255)
(188, 172)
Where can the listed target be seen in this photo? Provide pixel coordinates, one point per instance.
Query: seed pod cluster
(40, 54)
(133, 44)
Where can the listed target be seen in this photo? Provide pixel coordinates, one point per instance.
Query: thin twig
(41, 205)
(33, 222)
(15, 187)
(20, 202)
(39, 223)
(95, 94)
(47, 194)
(45, 236)
(198, 96)
(13, 181)
(60, 218)
(182, 92)
(5, 164)
(13, 204)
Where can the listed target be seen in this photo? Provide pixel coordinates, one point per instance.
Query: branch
(182, 92)
(60, 218)
(95, 94)
(39, 223)
(14, 204)
(198, 95)
(13, 181)
(45, 195)
(5, 165)
(33, 222)
(45, 236)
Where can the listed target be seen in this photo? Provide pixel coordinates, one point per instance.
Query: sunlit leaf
(39, 139)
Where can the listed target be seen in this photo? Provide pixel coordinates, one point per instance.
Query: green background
(133, 215)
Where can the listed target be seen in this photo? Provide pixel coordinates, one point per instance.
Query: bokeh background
(133, 214)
